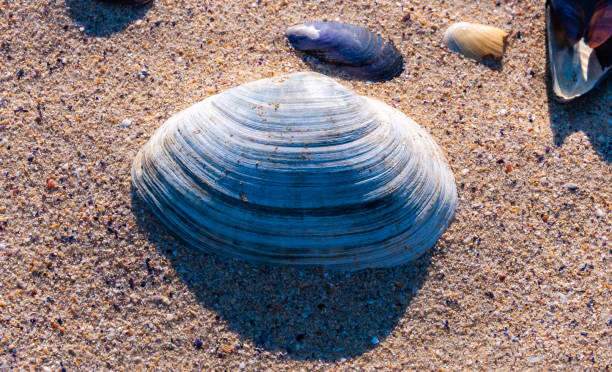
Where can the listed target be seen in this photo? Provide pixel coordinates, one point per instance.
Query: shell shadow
(492, 63)
(496, 64)
(300, 314)
(590, 114)
(104, 19)
(334, 71)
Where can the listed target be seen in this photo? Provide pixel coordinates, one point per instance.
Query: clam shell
(575, 67)
(475, 41)
(356, 50)
(298, 170)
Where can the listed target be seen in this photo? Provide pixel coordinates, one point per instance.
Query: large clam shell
(575, 67)
(476, 41)
(298, 170)
(356, 50)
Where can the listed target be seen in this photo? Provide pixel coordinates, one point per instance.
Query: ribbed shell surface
(575, 68)
(298, 170)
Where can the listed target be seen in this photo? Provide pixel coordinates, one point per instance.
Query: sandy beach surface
(90, 280)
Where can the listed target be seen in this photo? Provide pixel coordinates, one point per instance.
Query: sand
(90, 280)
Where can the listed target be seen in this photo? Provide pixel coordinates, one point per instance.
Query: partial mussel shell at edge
(575, 67)
(298, 170)
(357, 51)
(572, 14)
(591, 19)
(600, 25)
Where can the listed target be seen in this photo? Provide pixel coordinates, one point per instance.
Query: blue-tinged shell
(591, 19)
(572, 17)
(575, 67)
(600, 24)
(358, 51)
(298, 170)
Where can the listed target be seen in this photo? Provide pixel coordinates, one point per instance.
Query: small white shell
(298, 170)
(475, 41)
(575, 68)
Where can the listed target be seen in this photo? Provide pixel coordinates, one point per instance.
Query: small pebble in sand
(571, 186)
(465, 171)
(160, 300)
(599, 213)
(125, 123)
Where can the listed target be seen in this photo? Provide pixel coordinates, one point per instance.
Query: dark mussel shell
(572, 16)
(356, 50)
(604, 53)
(600, 24)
